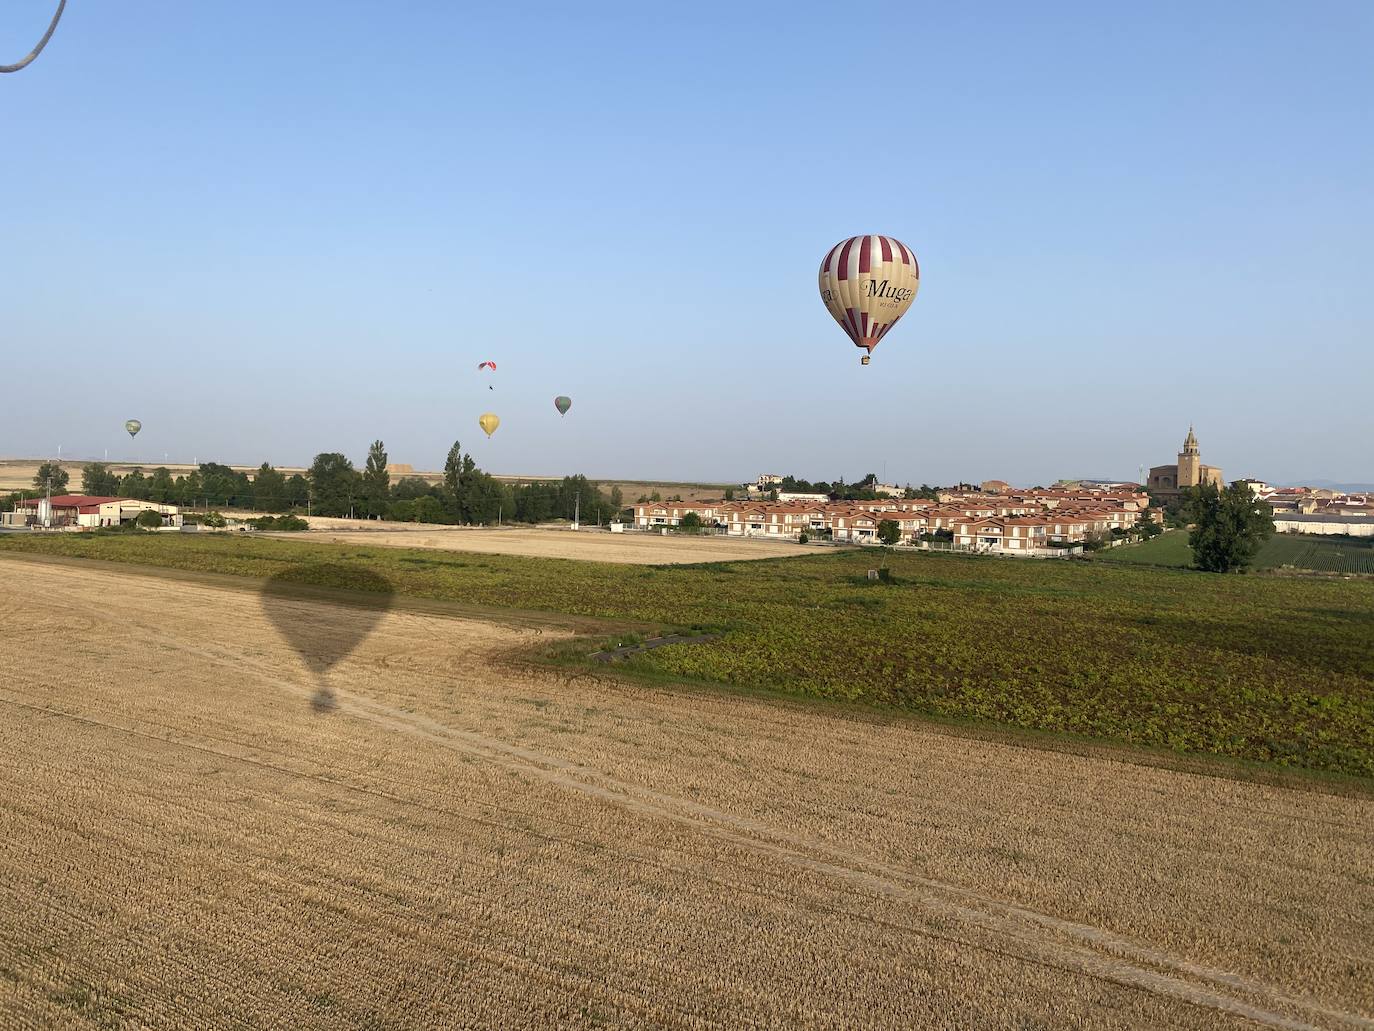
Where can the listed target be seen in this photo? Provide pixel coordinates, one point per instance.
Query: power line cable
(61, 6)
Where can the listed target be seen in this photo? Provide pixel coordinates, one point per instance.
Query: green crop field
(1168, 549)
(1272, 669)
(1321, 554)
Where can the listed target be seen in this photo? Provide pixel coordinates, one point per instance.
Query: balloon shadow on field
(324, 610)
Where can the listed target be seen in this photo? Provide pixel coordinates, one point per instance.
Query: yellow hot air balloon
(867, 284)
(489, 421)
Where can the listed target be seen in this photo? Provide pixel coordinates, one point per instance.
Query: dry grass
(464, 842)
(587, 545)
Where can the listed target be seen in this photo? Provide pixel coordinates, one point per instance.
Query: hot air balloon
(133, 426)
(489, 421)
(867, 284)
(489, 365)
(562, 403)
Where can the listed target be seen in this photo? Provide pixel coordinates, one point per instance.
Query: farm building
(86, 511)
(1298, 522)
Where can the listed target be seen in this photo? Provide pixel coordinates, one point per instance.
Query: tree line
(333, 486)
(865, 489)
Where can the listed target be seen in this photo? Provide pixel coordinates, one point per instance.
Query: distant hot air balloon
(562, 403)
(133, 426)
(867, 284)
(489, 421)
(487, 365)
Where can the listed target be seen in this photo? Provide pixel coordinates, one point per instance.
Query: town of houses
(1315, 510)
(1009, 521)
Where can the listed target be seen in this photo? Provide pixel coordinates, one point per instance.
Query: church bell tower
(1189, 462)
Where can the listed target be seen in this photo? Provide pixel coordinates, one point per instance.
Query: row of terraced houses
(1013, 521)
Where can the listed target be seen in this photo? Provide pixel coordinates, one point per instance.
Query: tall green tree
(376, 481)
(269, 490)
(225, 486)
(297, 491)
(428, 509)
(188, 490)
(160, 486)
(453, 479)
(52, 476)
(134, 485)
(333, 484)
(98, 481)
(1228, 526)
(889, 531)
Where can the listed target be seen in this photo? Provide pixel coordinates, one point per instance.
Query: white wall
(1355, 529)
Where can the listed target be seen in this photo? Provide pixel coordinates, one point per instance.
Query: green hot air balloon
(133, 426)
(562, 404)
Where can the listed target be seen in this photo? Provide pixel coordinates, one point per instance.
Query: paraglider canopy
(133, 426)
(562, 403)
(489, 421)
(867, 283)
(486, 365)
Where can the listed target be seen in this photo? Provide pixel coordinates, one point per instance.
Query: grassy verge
(1256, 669)
(1297, 551)
(1168, 549)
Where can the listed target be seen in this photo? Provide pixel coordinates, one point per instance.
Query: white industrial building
(1298, 522)
(86, 511)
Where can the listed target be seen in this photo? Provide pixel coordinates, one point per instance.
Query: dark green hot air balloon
(562, 404)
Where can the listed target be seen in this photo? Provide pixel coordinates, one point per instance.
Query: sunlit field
(1296, 551)
(1255, 668)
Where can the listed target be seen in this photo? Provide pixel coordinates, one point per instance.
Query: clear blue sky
(271, 229)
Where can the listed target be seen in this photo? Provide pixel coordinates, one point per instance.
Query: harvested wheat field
(587, 545)
(462, 840)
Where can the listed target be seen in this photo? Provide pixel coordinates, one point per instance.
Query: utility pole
(577, 509)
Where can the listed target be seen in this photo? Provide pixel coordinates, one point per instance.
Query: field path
(459, 842)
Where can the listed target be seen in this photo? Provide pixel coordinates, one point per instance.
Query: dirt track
(631, 548)
(186, 842)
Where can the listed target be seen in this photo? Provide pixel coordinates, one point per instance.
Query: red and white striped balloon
(867, 284)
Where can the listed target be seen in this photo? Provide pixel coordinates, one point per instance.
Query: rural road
(462, 841)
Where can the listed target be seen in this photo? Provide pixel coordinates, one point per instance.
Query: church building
(1171, 480)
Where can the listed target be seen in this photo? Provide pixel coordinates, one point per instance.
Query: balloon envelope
(133, 426)
(489, 421)
(562, 403)
(867, 283)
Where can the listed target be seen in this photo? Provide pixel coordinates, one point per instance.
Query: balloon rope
(61, 6)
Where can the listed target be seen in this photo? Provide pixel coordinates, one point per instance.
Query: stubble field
(583, 545)
(1274, 670)
(463, 840)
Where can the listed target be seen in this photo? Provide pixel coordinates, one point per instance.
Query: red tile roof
(75, 500)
